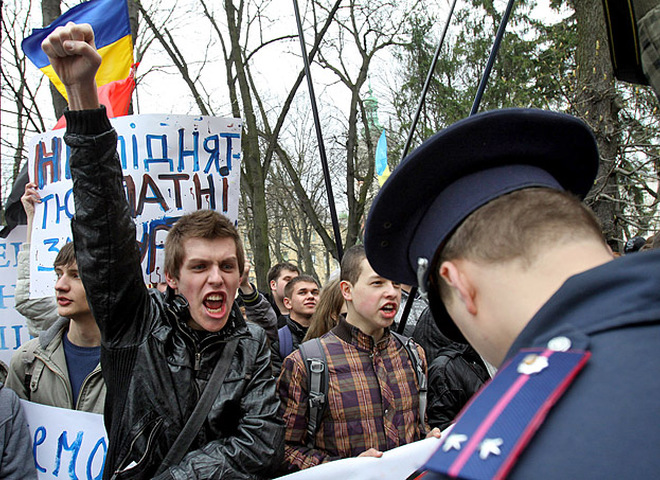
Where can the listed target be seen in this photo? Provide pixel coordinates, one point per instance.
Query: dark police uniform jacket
(606, 423)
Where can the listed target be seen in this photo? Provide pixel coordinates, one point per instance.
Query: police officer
(485, 216)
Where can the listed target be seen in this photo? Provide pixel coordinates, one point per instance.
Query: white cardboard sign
(66, 443)
(173, 165)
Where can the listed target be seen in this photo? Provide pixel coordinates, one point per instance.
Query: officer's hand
(372, 452)
(74, 58)
(435, 433)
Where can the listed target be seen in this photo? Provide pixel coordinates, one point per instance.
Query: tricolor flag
(116, 96)
(382, 168)
(112, 36)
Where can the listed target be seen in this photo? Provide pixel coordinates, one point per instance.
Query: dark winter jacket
(298, 332)
(455, 375)
(456, 372)
(154, 365)
(16, 459)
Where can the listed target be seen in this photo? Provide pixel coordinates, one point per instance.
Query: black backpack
(314, 358)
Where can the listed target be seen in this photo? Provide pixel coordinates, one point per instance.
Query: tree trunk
(133, 20)
(596, 102)
(253, 173)
(50, 10)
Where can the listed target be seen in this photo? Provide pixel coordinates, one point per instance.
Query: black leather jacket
(154, 365)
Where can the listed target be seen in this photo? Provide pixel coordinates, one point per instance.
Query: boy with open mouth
(373, 385)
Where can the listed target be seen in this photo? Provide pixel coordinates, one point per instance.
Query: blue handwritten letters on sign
(13, 332)
(66, 443)
(173, 164)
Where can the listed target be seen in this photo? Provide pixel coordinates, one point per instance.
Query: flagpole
(427, 83)
(475, 108)
(491, 58)
(319, 136)
(413, 126)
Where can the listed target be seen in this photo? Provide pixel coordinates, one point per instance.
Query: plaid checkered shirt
(373, 398)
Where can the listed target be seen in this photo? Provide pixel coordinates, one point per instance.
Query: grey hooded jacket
(38, 372)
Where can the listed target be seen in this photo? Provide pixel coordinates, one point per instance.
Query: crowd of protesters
(206, 377)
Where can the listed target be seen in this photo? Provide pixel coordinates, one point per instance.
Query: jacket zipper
(84, 383)
(198, 361)
(122, 467)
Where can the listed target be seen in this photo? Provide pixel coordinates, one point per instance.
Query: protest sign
(13, 332)
(66, 443)
(172, 164)
(396, 464)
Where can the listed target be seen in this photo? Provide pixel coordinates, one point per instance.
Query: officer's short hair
(288, 288)
(206, 224)
(518, 225)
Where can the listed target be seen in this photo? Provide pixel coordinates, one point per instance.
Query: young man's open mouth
(389, 309)
(215, 303)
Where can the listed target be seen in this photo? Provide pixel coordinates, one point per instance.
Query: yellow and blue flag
(112, 36)
(382, 168)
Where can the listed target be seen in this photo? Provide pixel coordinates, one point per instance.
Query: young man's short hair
(66, 256)
(276, 269)
(288, 289)
(206, 224)
(351, 264)
(518, 225)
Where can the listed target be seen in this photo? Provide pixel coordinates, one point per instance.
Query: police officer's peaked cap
(462, 168)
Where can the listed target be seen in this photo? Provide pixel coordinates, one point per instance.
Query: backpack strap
(420, 374)
(286, 341)
(318, 384)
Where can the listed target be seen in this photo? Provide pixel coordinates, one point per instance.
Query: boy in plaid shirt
(373, 392)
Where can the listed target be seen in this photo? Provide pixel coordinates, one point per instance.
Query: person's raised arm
(40, 313)
(103, 229)
(74, 58)
(257, 309)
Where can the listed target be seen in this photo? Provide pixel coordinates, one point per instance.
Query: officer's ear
(460, 283)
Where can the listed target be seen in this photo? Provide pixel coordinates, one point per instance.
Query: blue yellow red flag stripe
(112, 36)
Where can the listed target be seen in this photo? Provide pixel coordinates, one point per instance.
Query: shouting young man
(159, 351)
